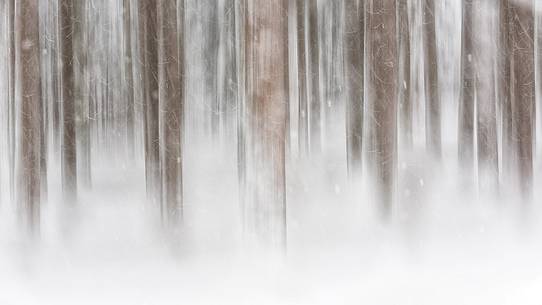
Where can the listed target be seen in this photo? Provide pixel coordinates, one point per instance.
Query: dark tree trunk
(466, 102)
(29, 97)
(266, 94)
(382, 94)
(171, 83)
(148, 14)
(315, 122)
(69, 143)
(405, 101)
(129, 76)
(303, 120)
(354, 55)
(523, 91)
(432, 105)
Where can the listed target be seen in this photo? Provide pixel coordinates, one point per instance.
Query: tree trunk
(315, 122)
(128, 76)
(505, 90)
(264, 193)
(405, 101)
(382, 95)
(483, 57)
(432, 105)
(171, 61)
(303, 120)
(466, 103)
(29, 96)
(69, 144)
(523, 91)
(148, 12)
(354, 54)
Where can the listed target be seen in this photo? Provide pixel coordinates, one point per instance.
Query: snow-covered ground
(446, 249)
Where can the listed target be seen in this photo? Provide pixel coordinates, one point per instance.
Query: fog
(448, 239)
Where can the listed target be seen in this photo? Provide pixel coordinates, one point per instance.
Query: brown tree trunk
(171, 59)
(483, 58)
(264, 193)
(432, 105)
(466, 102)
(354, 55)
(405, 101)
(315, 122)
(128, 76)
(382, 95)
(69, 144)
(148, 26)
(523, 91)
(505, 90)
(303, 120)
(29, 96)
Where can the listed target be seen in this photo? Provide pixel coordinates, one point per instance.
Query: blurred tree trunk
(128, 63)
(227, 67)
(523, 91)
(29, 117)
(405, 101)
(382, 95)
(81, 54)
(483, 57)
(505, 89)
(303, 121)
(466, 102)
(69, 144)
(432, 105)
(11, 95)
(266, 94)
(354, 55)
(171, 84)
(313, 70)
(148, 26)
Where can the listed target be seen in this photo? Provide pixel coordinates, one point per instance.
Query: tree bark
(148, 12)
(432, 98)
(29, 95)
(303, 120)
(354, 70)
(171, 67)
(315, 120)
(264, 193)
(466, 103)
(69, 143)
(523, 91)
(382, 95)
(483, 57)
(405, 100)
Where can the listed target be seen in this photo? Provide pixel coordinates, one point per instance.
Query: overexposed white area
(447, 247)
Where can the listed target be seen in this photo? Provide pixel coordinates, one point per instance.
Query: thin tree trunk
(128, 76)
(315, 122)
(171, 61)
(523, 91)
(405, 101)
(69, 144)
(148, 12)
(28, 74)
(266, 92)
(488, 166)
(505, 89)
(382, 94)
(303, 130)
(432, 105)
(466, 103)
(354, 54)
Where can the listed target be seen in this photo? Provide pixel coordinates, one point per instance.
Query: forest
(315, 130)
